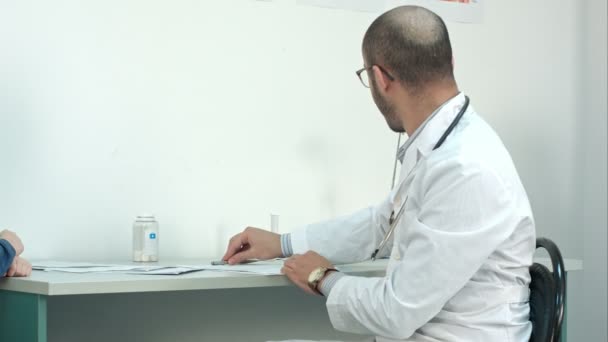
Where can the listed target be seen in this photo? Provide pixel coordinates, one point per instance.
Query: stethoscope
(393, 220)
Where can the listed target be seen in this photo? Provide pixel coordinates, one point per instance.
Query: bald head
(413, 43)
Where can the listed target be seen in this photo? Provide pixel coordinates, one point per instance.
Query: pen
(224, 262)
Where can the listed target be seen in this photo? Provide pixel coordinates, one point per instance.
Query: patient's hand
(19, 268)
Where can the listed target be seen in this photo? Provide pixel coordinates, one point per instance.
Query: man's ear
(382, 80)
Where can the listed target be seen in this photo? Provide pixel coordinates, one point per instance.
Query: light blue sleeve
(7, 254)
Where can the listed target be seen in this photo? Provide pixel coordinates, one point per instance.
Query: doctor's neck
(415, 108)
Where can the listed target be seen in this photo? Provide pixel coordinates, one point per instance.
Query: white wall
(209, 114)
(594, 145)
(212, 114)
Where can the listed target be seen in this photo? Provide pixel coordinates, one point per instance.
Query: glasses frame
(360, 71)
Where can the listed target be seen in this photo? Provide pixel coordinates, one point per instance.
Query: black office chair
(547, 295)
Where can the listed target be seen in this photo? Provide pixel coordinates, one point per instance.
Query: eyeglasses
(364, 77)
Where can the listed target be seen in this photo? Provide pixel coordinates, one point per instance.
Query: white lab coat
(459, 257)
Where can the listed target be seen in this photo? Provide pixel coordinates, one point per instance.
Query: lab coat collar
(422, 141)
(438, 125)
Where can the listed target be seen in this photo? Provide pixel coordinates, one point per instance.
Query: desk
(200, 306)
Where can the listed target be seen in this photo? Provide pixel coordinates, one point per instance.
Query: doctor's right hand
(253, 243)
(13, 239)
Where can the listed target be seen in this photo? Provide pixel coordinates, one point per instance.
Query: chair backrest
(547, 295)
(542, 303)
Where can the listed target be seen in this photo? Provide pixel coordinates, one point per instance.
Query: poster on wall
(463, 11)
(375, 6)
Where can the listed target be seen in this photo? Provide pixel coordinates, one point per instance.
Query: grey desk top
(59, 283)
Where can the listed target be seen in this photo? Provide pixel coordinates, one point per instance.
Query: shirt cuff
(329, 282)
(286, 248)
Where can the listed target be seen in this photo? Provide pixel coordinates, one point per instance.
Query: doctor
(458, 227)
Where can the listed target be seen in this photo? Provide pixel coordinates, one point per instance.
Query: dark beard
(387, 109)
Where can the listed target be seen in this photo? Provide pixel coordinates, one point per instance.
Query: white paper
(104, 269)
(167, 271)
(65, 264)
(271, 267)
(86, 267)
(268, 267)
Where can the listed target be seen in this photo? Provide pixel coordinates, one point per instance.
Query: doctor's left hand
(298, 268)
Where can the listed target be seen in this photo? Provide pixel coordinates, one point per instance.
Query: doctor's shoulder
(474, 154)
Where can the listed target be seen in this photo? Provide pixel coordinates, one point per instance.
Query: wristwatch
(316, 275)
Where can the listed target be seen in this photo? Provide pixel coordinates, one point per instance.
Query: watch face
(316, 274)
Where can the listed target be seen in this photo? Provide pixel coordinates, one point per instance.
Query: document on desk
(84, 267)
(268, 267)
(101, 269)
(166, 271)
(39, 265)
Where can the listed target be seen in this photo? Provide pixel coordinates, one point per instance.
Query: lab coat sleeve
(463, 216)
(346, 239)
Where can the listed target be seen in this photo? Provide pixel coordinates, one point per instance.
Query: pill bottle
(145, 239)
